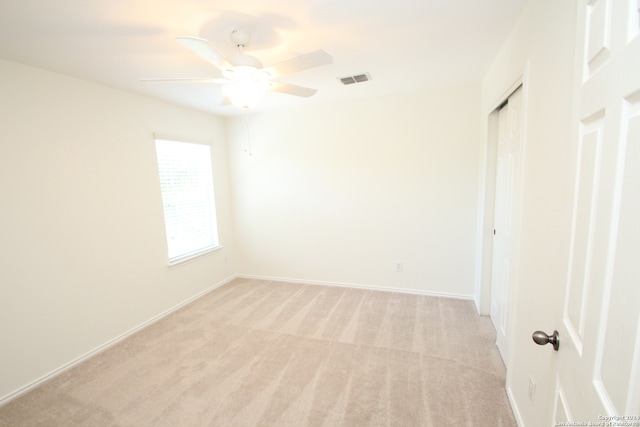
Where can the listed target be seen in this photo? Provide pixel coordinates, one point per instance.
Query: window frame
(213, 243)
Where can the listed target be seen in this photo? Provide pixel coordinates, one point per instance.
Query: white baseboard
(25, 389)
(358, 286)
(514, 408)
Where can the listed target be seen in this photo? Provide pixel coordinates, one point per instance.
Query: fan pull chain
(247, 147)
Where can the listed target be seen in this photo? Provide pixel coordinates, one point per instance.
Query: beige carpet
(258, 353)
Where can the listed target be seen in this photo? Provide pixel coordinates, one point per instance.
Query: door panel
(500, 260)
(598, 20)
(587, 184)
(619, 356)
(507, 185)
(563, 414)
(599, 357)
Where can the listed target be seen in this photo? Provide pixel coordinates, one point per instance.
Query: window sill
(188, 258)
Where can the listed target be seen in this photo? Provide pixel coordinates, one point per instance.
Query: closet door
(508, 169)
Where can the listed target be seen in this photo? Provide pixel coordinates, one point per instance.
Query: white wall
(83, 252)
(543, 43)
(338, 193)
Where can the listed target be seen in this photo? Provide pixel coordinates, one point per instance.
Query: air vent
(358, 78)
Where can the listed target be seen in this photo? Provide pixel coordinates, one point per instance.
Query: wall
(542, 43)
(83, 256)
(338, 193)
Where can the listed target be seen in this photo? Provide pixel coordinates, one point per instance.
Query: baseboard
(514, 408)
(25, 389)
(358, 286)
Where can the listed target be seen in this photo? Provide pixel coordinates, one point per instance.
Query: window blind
(186, 184)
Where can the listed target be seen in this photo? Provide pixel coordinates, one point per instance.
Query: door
(507, 177)
(598, 369)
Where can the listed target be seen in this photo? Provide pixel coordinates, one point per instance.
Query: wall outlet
(532, 388)
(399, 266)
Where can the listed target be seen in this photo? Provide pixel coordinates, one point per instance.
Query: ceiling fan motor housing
(245, 60)
(240, 38)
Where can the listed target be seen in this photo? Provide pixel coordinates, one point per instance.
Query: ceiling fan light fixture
(246, 94)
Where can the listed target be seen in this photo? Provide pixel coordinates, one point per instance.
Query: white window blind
(187, 196)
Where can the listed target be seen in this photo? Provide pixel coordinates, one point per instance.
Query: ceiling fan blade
(290, 89)
(185, 80)
(300, 63)
(204, 50)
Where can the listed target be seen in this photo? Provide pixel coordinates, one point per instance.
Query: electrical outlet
(399, 266)
(532, 388)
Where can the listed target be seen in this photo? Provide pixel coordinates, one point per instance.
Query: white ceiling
(405, 45)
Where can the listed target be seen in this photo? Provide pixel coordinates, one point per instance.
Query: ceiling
(405, 45)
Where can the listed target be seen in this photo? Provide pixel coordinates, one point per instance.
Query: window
(187, 197)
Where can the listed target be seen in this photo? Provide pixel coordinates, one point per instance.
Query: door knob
(541, 338)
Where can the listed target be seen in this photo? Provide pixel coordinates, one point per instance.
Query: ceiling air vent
(358, 78)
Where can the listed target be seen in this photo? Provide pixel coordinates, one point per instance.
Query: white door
(507, 178)
(598, 369)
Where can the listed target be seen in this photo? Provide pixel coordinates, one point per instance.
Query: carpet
(266, 353)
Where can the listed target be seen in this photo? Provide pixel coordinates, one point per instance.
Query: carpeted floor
(260, 353)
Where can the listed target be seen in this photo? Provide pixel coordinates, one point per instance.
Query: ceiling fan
(245, 80)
